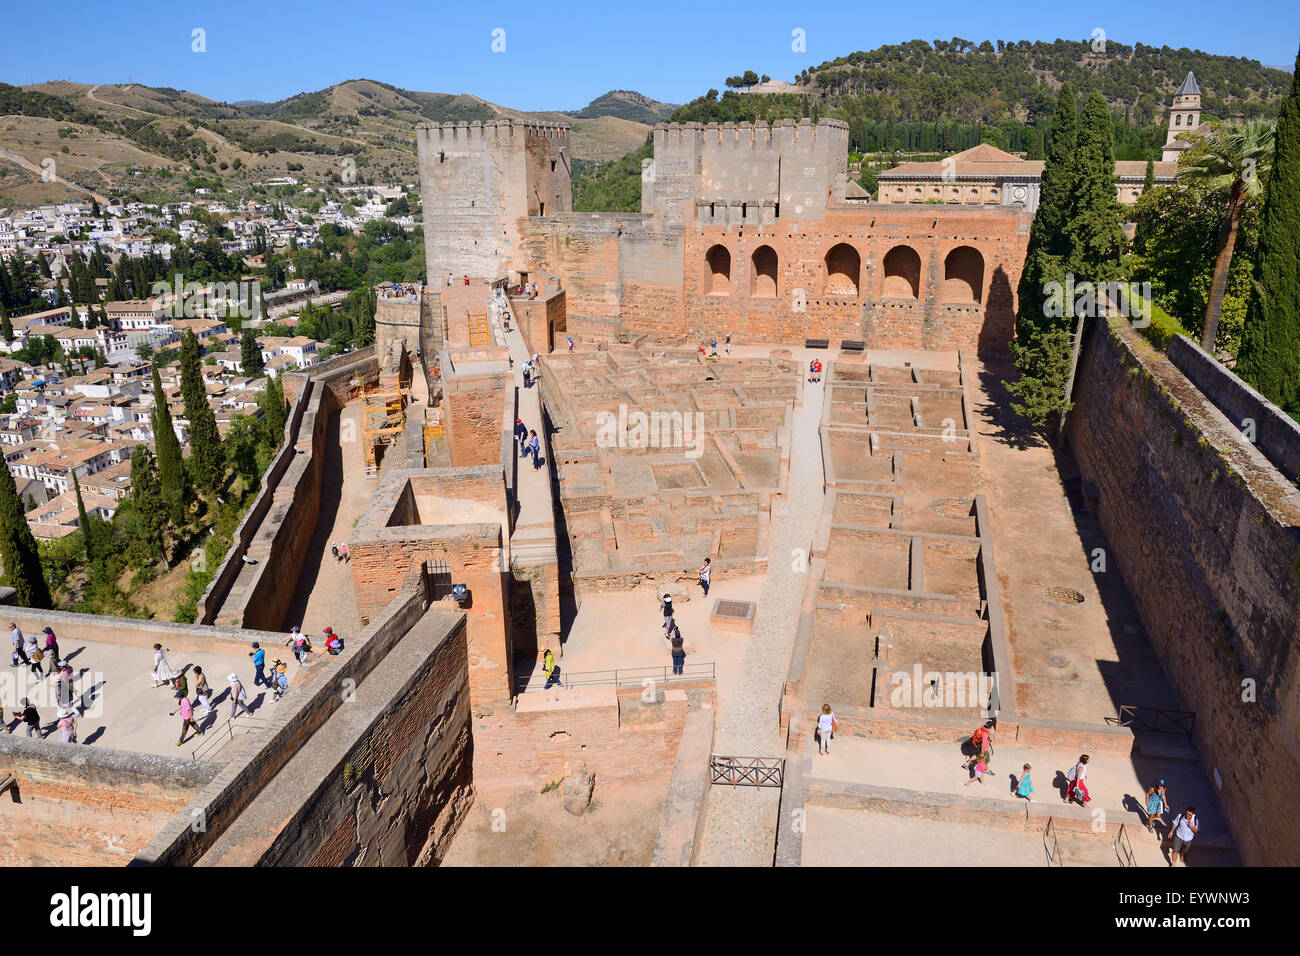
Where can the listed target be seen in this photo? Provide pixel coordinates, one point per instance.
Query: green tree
(1270, 346)
(171, 466)
(1235, 160)
(274, 410)
(250, 353)
(1041, 349)
(88, 534)
(206, 455)
(1097, 239)
(6, 327)
(19, 556)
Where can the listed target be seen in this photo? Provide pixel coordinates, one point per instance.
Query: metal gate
(747, 771)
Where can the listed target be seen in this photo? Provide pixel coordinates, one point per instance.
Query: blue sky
(560, 56)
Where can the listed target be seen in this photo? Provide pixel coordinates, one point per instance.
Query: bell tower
(1184, 117)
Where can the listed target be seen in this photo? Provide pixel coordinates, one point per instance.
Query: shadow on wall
(999, 317)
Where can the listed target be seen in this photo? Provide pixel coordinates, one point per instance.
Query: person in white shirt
(826, 727)
(1184, 832)
(1077, 788)
(19, 655)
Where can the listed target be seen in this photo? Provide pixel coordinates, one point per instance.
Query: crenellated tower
(478, 181)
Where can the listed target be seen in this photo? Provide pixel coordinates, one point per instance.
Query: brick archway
(901, 273)
(963, 275)
(763, 273)
(843, 270)
(717, 274)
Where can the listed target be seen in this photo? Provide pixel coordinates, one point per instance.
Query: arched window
(1178, 120)
(718, 274)
(763, 266)
(963, 275)
(843, 268)
(902, 273)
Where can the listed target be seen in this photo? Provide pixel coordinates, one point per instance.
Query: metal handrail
(747, 771)
(1157, 719)
(629, 676)
(1051, 845)
(1124, 847)
(225, 734)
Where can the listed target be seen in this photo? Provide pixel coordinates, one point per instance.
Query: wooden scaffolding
(383, 417)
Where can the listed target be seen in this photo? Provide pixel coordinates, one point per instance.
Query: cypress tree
(274, 411)
(6, 327)
(1269, 358)
(149, 517)
(206, 455)
(250, 353)
(88, 535)
(171, 467)
(1097, 239)
(1041, 349)
(18, 554)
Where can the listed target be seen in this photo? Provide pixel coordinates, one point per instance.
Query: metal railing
(632, 676)
(747, 771)
(1050, 844)
(1157, 720)
(219, 736)
(1124, 847)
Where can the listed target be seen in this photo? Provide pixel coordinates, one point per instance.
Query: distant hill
(628, 105)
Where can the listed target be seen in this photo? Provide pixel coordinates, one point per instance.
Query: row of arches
(963, 273)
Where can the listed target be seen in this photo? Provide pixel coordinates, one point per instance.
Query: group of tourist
(529, 443)
(531, 368)
(35, 654)
(396, 291)
(1155, 801)
(451, 280)
(340, 551)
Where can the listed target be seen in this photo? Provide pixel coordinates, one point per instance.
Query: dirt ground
(618, 829)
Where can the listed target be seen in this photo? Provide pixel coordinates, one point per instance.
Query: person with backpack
(333, 643)
(678, 651)
(982, 742)
(51, 647)
(34, 657)
(298, 640)
(187, 717)
(1185, 831)
(202, 690)
(826, 727)
(1076, 787)
(548, 668)
(334, 550)
(31, 717)
(19, 655)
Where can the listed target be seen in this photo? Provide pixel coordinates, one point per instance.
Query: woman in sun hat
(162, 672)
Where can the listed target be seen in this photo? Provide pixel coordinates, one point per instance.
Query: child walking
(1025, 788)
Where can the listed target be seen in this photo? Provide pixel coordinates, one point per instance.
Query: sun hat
(233, 678)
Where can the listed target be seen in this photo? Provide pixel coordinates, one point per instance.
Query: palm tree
(1237, 158)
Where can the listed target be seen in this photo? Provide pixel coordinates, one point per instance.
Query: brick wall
(473, 419)
(1204, 531)
(87, 806)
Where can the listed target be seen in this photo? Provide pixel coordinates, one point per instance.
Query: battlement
(786, 132)
(491, 132)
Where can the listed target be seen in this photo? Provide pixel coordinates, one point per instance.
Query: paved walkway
(740, 828)
(324, 595)
(532, 542)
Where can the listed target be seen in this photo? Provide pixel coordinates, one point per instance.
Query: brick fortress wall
(1204, 531)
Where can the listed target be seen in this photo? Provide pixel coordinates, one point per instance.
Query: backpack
(38, 655)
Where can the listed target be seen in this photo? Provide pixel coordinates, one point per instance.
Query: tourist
(535, 446)
(701, 350)
(466, 280)
(548, 668)
(334, 550)
(1025, 786)
(678, 651)
(449, 282)
(333, 643)
(982, 742)
(981, 768)
(67, 726)
(259, 661)
(280, 679)
(202, 691)
(505, 320)
(570, 343)
(726, 344)
(343, 550)
(298, 640)
(670, 625)
(238, 699)
(51, 646)
(1076, 786)
(182, 685)
(1184, 832)
(1156, 807)
(19, 655)
(162, 672)
(34, 656)
(812, 368)
(63, 685)
(826, 727)
(521, 432)
(705, 570)
(187, 717)
(30, 717)
(666, 605)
